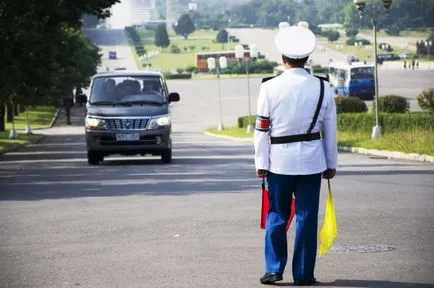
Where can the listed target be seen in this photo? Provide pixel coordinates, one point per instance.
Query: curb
(388, 154)
(381, 153)
(235, 139)
(53, 120)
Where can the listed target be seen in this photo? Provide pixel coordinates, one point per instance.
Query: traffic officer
(295, 144)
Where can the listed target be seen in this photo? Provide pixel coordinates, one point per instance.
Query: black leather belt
(295, 138)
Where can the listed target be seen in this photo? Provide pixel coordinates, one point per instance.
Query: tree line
(403, 14)
(45, 55)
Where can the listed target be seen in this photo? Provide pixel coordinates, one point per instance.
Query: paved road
(135, 222)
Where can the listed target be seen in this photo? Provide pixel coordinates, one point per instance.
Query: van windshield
(362, 73)
(127, 90)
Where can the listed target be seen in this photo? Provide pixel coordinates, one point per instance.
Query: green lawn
(197, 42)
(22, 139)
(40, 117)
(419, 142)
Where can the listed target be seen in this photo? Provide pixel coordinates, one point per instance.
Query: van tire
(93, 158)
(166, 157)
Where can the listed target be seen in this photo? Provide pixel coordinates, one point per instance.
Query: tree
(222, 36)
(185, 26)
(352, 21)
(333, 36)
(46, 52)
(161, 36)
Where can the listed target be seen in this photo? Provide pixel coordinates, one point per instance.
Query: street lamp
(253, 54)
(227, 30)
(222, 64)
(428, 45)
(361, 4)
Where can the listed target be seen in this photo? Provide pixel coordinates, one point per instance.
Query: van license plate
(128, 137)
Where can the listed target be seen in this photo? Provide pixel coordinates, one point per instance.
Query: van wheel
(93, 158)
(166, 157)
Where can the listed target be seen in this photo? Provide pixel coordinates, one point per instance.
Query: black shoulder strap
(267, 78)
(318, 107)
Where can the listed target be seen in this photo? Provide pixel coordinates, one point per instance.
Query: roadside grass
(420, 142)
(197, 42)
(22, 139)
(40, 117)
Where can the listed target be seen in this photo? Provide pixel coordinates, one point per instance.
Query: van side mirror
(173, 97)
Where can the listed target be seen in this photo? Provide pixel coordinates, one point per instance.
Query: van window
(118, 89)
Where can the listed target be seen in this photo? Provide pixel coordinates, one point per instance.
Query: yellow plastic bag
(329, 229)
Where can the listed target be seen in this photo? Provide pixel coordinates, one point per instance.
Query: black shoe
(270, 278)
(305, 282)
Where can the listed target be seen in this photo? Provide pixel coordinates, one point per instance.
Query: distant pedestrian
(405, 64)
(67, 104)
(412, 64)
(417, 64)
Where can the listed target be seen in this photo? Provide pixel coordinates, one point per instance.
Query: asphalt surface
(136, 222)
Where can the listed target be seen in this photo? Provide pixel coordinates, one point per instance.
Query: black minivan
(129, 113)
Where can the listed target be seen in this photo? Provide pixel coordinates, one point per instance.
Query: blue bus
(353, 79)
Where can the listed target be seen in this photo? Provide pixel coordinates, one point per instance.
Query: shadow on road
(363, 284)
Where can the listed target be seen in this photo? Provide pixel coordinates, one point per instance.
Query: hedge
(178, 76)
(363, 122)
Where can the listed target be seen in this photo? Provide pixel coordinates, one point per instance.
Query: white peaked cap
(295, 42)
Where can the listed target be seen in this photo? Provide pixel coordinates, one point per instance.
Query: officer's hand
(261, 173)
(329, 173)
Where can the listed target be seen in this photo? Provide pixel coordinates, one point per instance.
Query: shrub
(350, 105)
(426, 100)
(333, 36)
(392, 104)
(390, 122)
(243, 121)
(175, 49)
(363, 122)
(177, 76)
(351, 41)
(179, 70)
(191, 69)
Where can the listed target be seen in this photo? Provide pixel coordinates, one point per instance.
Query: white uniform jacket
(286, 106)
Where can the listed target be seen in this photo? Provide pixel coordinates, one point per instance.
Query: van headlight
(159, 122)
(94, 123)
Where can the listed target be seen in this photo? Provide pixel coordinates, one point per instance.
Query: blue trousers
(306, 189)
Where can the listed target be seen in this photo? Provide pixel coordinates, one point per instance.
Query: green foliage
(175, 49)
(390, 122)
(258, 66)
(161, 36)
(185, 26)
(191, 69)
(426, 100)
(350, 105)
(222, 36)
(363, 122)
(351, 41)
(392, 104)
(46, 55)
(170, 76)
(333, 36)
(243, 121)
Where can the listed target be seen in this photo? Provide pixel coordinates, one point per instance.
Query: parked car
(129, 113)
